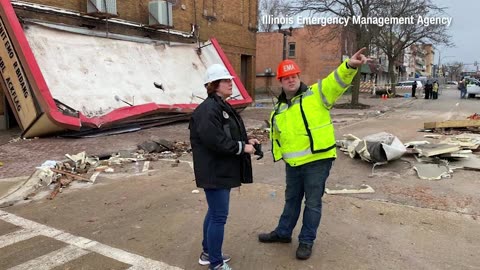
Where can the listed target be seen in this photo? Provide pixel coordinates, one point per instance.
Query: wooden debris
(452, 124)
(101, 168)
(55, 191)
(94, 177)
(76, 176)
(433, 136)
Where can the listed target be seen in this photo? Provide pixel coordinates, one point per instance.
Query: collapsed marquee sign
(54, 85)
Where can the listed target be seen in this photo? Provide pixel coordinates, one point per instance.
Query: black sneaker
(203, 260)
(273, 237)
(304, 251)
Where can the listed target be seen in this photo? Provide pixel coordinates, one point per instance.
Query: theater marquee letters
(17, 87)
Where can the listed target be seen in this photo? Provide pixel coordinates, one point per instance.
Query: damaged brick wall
(318, 51)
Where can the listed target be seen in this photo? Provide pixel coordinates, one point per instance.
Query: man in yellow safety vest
(302, 134)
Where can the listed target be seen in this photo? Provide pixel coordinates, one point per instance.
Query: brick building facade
(232, 23)
(318, 50)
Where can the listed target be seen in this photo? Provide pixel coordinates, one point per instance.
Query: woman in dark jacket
(221, 159)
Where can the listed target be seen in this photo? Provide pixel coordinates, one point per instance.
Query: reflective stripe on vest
(339, 80)
(325, 102)
(297, 154)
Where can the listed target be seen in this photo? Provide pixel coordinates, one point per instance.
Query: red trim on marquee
(45, 99)
(246, 97)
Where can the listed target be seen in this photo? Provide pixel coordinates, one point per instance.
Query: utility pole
(439, 66)
(285, 33)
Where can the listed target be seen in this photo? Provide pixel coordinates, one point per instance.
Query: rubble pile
(471, 124)
(438, 160)
(81, 167)
(432, 161)
(379, 148)
(155, 149)
(261, 134)
(63, 173)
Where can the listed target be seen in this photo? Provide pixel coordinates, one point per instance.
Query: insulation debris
(428, 150)
(376, 148)
(432, 171)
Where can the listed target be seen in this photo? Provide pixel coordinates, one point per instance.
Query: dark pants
(306, 180)
(428, 93)
(413, 91)
(213, 227)
(435, 95)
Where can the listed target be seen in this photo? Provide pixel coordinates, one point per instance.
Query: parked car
(473, 87)
(452, 82)
(408, 85)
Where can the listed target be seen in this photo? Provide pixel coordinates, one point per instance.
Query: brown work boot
(273, 237)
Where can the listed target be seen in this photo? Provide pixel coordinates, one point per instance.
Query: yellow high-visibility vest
(303, 131)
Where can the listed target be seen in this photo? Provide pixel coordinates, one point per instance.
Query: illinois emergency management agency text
(380, 21)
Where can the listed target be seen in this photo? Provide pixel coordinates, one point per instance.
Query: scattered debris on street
(363, 189)
(432, 171)
(450, 126)
(433, 161)
(261, 134)
(379, 148)
(81, 167)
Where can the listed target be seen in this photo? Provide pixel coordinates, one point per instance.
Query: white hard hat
(217, 72)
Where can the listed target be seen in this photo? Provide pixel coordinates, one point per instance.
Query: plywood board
(452, 124)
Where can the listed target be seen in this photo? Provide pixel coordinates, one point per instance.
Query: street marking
(52, 259)
(16, 236)
(137, 261)
(146, 165)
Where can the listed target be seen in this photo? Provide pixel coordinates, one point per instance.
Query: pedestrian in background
(435, 90)
(462, 86)
(428, 89)
(221, 160)
(302, 134)
(414, 88)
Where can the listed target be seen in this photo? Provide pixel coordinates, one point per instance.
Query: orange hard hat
(287, 68)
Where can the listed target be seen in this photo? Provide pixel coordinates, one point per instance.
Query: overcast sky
(464, 31)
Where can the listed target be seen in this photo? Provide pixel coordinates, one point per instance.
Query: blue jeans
(213, 226)
(306, 180)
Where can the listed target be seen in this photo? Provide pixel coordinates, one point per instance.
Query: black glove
(258, 151)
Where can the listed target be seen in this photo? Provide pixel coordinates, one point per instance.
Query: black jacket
(218, 137)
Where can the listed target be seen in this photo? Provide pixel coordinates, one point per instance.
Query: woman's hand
(249, 149)
(253, 141)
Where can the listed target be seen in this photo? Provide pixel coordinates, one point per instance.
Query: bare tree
(393, 39)
(454, 70)
(269, 9)
(344, 8)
